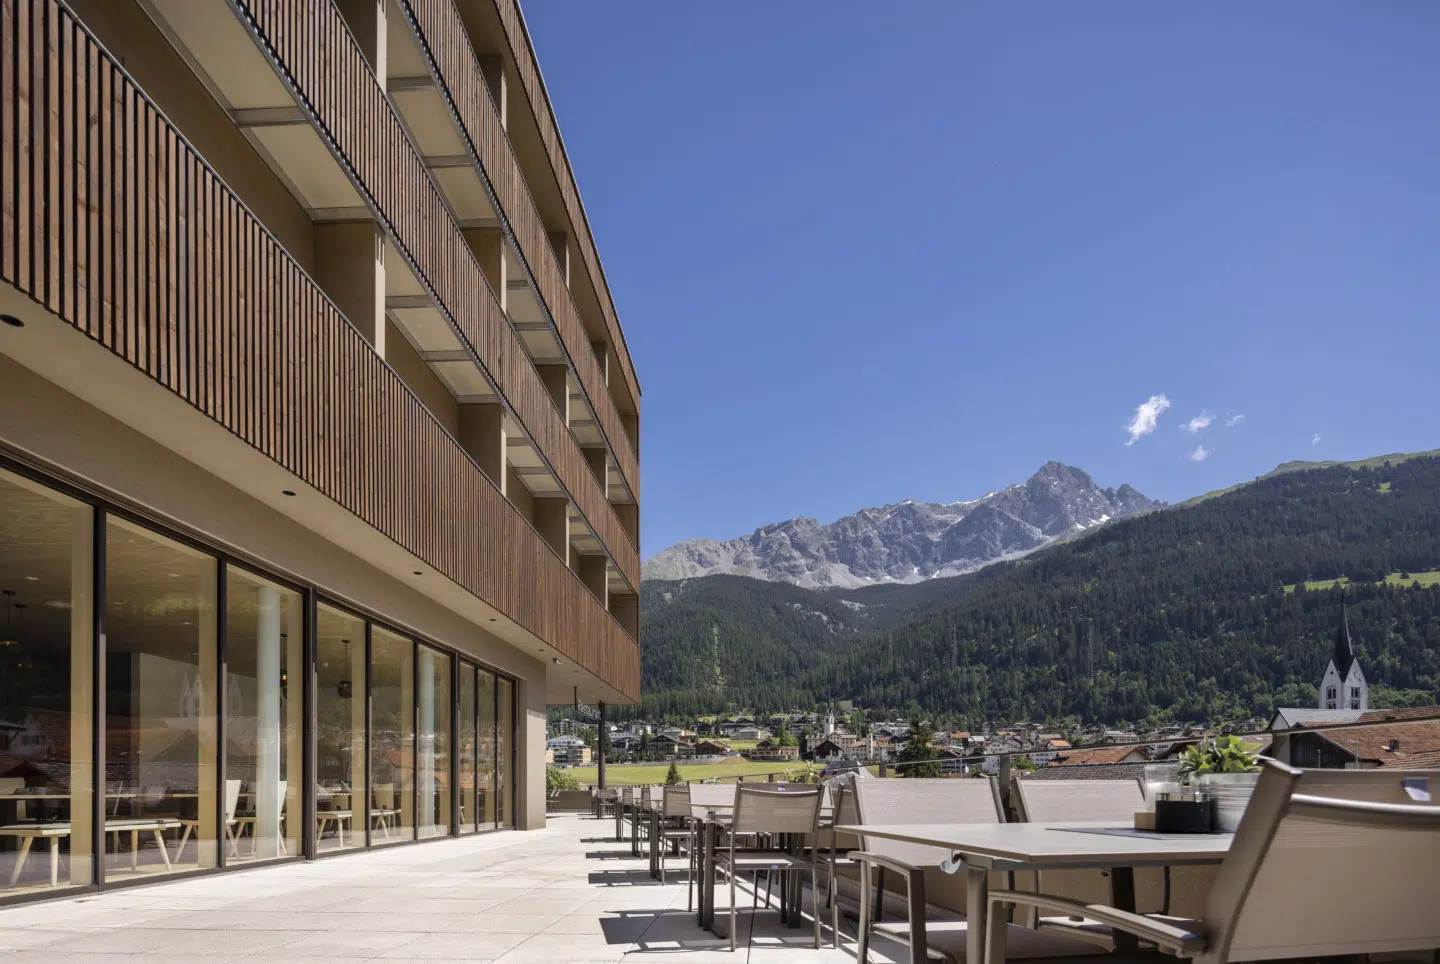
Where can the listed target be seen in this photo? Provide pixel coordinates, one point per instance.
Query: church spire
(1344, 656)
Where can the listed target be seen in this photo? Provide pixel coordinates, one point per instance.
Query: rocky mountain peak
(910, 541)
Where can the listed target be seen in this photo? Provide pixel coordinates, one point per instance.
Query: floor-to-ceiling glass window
(46, 679)
(392, 737)
(465, 751)
(433, 691)
(264, 649)
(161, 677)
(486, 743)
(340, 704)
(504, 748)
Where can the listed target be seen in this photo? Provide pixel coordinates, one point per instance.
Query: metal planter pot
(1230, 793)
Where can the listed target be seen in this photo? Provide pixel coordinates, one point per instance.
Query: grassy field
(1431, 578)
(622, 774)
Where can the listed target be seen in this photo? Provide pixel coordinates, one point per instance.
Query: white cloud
(1235, 420)
(1315, 439)
(1200, 454)
(1147, 413)
(1202, 421)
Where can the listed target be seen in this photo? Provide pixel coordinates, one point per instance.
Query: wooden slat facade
(354, 114)
(115, 224)
(534, 88)
(444, 41)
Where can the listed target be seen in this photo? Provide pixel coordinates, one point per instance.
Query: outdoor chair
(249, 820)
(1075, 801)
(931, 801)
(761, 810)
(677, 828)
(622, 808)
(191, 825)
(384, 812)
(1277, 894)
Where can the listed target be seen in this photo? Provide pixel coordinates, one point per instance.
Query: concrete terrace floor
(566, 893)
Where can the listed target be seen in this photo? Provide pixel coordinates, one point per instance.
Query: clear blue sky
(866, 253)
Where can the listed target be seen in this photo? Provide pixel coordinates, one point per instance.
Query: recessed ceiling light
(289, 492)
(12, 321)
(419, 573)
(555, 660)
(32, 578)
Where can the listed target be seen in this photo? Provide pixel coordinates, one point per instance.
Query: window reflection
(504, 747)
(465, 749)
(340, 688)
(46, 633)
(434, 742)
(263, 700)
(161, 674)
(485, 767)
(392, 756)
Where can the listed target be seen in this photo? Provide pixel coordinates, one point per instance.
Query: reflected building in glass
(318, 460)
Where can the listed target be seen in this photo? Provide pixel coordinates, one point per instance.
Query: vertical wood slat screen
(444, 40)
(112, 222)
(387, 166)
(539, 101)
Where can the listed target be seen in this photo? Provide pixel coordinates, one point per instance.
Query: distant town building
(750, 733)
(770, 750)
(567, 751)
(1406, 739)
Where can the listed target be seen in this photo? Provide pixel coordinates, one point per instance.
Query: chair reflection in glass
(384, 812)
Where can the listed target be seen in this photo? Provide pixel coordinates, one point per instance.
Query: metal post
(97, 698)
(602, 742)
(222, 712)
(309, 798)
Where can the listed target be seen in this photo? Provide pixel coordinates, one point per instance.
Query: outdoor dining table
(980, 848)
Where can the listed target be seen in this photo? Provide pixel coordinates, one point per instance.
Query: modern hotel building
(318, 435)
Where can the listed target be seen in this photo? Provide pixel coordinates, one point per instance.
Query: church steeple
(1344, 656)
(1343, 687)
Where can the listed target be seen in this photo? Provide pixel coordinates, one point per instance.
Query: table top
(1056, 843)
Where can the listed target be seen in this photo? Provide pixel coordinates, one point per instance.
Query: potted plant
(1227, 768)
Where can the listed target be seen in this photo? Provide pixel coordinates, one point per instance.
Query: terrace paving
(566, 893)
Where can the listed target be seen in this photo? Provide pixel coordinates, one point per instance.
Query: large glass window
(161, 676)
(46, 678)
(433, 689)
(504, 747)
(340, 688)
(264, 697)
(392, 737)
(485, 766)
(465, 749)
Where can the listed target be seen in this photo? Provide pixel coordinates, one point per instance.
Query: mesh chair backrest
(1055, 801)
(762, 809)
(1330, 862)
(711, 796)
(677, 801)
(627, 795)
(653, 796)
(940, 800)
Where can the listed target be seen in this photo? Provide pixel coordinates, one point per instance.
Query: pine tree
(672, 776)
(919, 745)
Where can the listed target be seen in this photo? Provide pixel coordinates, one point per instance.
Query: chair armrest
(1176, 940)
(889, 863)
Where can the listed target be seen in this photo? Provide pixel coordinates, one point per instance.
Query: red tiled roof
(1408, 713)
(1099, 754)
(1415, 745)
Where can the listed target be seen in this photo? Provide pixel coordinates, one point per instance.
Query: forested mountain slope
(1186, 611)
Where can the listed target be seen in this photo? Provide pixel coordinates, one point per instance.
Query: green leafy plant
(557, 779)
(1224, 754)
(672, 776)
(807, 773)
